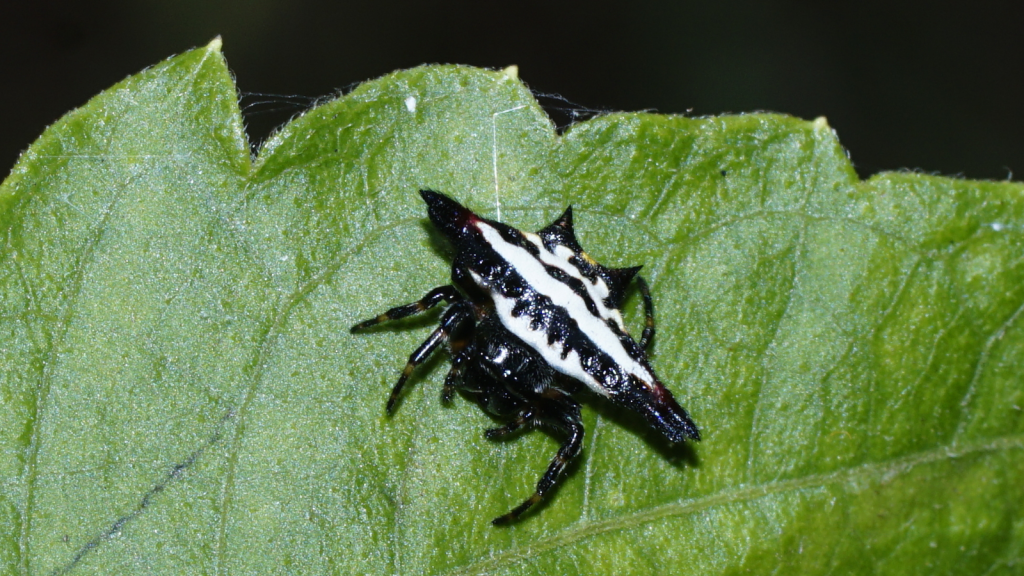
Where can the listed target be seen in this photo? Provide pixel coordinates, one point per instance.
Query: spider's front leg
(454, 320)
(446, 293)
(457, 319)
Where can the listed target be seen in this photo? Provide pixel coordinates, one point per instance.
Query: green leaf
(181, 394)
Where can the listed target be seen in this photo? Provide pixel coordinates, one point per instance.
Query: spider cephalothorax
(530, 318)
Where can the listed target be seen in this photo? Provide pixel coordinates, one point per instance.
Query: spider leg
(433, 298)
(566, 417)
(453, 319)
(451, 382)
(525, 416)
(648, 333)
(460, 344)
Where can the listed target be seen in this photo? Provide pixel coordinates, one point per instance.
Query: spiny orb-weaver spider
(530, 317)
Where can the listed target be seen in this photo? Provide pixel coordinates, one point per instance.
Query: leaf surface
(181, 394)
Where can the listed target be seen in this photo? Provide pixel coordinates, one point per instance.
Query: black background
(913, 84)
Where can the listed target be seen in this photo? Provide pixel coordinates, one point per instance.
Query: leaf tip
(216, 44)
(511, 72)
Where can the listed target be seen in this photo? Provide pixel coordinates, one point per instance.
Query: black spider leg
(451, 382)
(648, 333)
(433, 298)
(453, 319)
(460, 343)
(556, 410)
(523, 418)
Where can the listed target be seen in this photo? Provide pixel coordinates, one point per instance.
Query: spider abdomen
(569, 317)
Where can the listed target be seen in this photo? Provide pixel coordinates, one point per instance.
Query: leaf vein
(265, 343)
(883, 471)
(762, 382)
(983, 358)
(69, 295)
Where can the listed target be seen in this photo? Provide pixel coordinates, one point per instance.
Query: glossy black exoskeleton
(530, 319)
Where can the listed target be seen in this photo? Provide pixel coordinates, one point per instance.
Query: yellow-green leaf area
(180, 392)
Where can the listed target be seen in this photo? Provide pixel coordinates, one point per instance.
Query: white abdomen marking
(593, 327)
